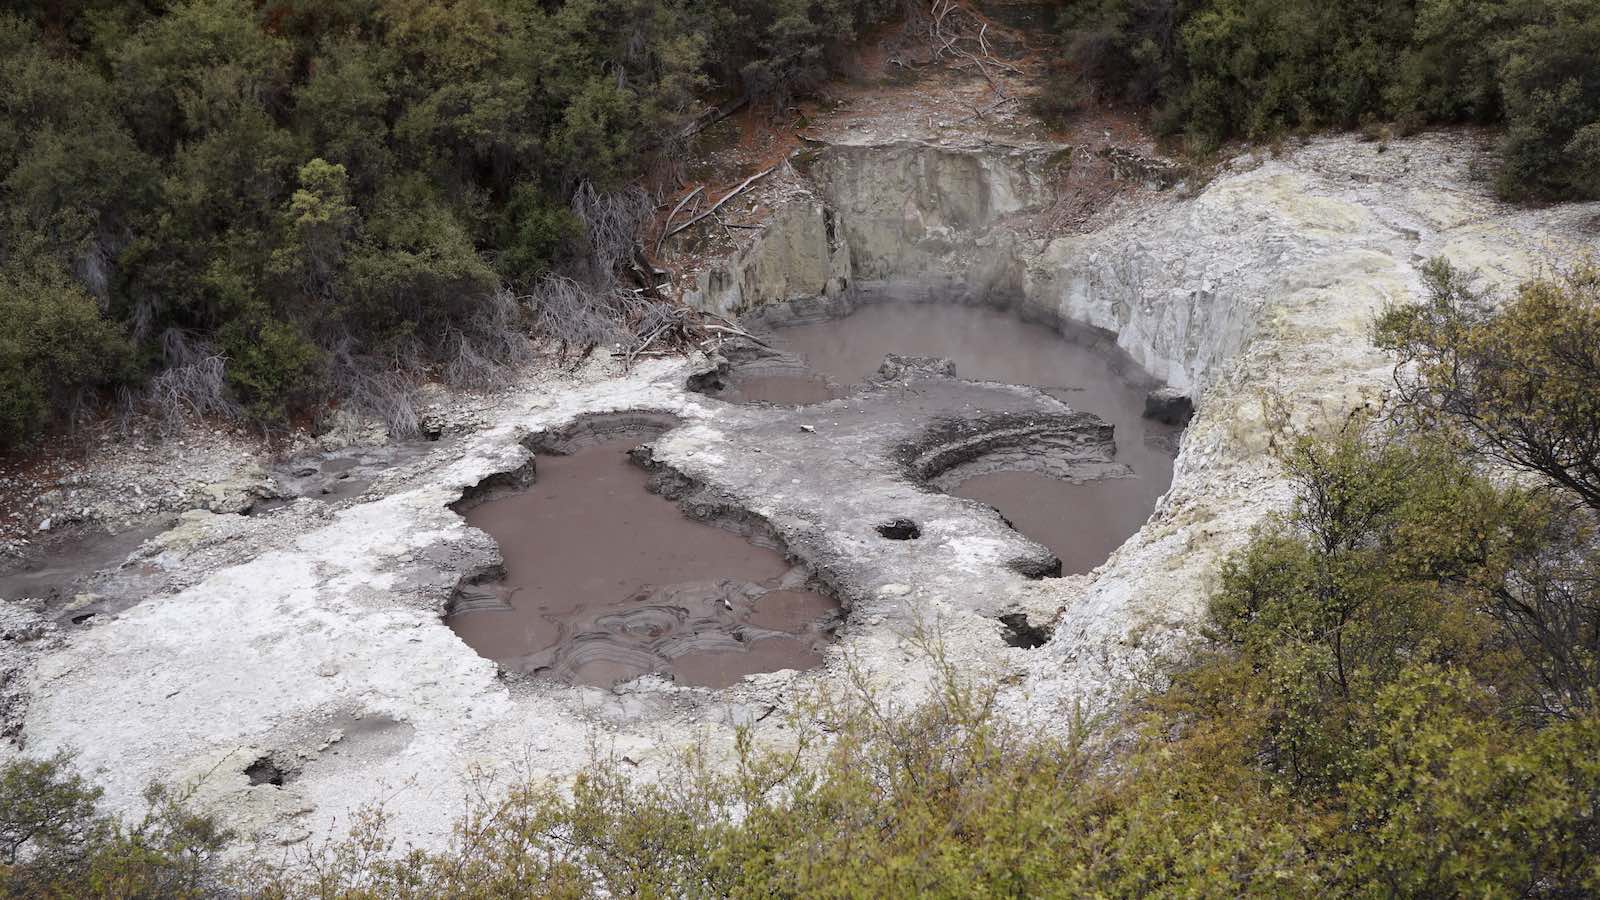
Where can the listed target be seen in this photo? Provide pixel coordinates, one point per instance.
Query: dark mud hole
(604, 581)
(1081, 522)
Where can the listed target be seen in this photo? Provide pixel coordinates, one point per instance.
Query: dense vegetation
(1395, 695)
(1219, 69)
(278, 201)
(250, 208)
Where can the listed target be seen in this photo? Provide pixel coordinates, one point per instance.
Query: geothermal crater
(865, 475)
(603, 582)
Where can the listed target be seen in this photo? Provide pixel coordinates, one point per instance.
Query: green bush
(271, 368)
(358, 178)
(1550, 77)
(56, 842)
(55, 347)
(1214, 70)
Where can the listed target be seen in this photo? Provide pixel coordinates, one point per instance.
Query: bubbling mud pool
(1082, 523)
(604, 582)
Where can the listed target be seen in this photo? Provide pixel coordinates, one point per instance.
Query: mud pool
(1081, 522)
(604, 581)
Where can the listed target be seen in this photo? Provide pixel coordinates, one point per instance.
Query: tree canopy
(277, 201)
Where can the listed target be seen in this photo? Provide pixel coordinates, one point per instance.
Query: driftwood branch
(740, 332)
(645, 344)
(666, 229)
(980, 113)
(725, 198)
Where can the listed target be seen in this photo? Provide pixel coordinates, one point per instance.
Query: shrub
(56, 349)
(55, 841)
(1213, 70)
(271, 368)
(1061, 98)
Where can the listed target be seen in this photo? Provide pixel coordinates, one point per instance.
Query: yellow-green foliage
(56, 843)
(946, 800)
(1519, 379)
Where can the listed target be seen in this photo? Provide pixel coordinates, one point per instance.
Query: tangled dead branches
(953, 31)
(194, 383)
(486, 350)
(611, 221)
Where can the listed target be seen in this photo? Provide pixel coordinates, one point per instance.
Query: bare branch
(725, 198)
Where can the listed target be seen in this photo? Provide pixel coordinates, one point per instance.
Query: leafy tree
(1384, 561)
(1516, 380)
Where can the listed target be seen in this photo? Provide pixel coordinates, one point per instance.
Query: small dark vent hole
(265, 771)
(900, 530)
(1018, 633)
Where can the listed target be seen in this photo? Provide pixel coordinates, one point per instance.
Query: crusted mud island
(293, 648)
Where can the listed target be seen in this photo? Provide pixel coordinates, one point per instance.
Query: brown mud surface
(58, 568)
(1080, 522)
(604, 582)
(781, 390)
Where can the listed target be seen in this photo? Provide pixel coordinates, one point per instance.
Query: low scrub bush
(56, 842)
